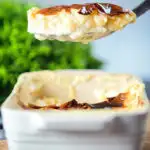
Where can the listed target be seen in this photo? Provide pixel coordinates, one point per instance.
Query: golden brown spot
(86, 9)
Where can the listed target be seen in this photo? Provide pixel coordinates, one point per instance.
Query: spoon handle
(142, 8)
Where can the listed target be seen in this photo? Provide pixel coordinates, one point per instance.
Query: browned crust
(86, 9)
(115, 102)
(74, 105)
(69, 105)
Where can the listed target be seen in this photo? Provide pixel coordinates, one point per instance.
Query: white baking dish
(89, 130)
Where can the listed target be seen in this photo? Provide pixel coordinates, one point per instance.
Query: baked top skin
(78, 22)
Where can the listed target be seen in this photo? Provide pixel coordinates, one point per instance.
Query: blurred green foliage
(20, 52)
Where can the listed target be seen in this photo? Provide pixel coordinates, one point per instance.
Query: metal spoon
(142, 8)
